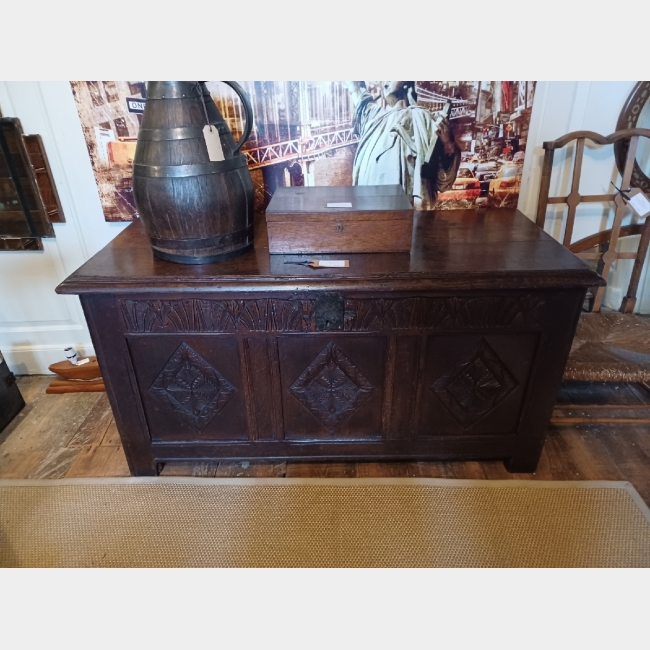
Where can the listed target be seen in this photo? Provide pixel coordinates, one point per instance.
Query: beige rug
(187, 522)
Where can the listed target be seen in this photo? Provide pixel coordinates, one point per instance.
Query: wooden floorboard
(74, 436)
(32, 389)
(99, 462)
(94, 426)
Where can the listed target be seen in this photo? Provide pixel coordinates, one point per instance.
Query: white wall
(561, 107)
(36, 324)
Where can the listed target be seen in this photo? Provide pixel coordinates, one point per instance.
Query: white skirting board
(34, 360)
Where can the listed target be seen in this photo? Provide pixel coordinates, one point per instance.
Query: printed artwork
(450, 144)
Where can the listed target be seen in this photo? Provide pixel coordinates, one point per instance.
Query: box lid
(349, 200)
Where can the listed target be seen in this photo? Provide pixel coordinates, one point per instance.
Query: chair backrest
(605, 257)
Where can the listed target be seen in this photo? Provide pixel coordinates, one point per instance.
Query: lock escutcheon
(339, 227)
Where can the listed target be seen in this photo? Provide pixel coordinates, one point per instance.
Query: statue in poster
(401, 143)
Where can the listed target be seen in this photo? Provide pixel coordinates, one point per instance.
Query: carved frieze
(332, 387)
(486, 312)
(263, 315)
(361, 315)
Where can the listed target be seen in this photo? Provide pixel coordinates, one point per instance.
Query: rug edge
(442, 482)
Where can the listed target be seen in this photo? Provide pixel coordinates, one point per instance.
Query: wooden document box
(378, 219)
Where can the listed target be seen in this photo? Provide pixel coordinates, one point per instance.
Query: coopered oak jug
(196, 206)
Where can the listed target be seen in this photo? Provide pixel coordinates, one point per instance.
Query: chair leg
(627, 305)
(629, 302)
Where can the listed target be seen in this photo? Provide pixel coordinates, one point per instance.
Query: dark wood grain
(452, 250)
(454, 352)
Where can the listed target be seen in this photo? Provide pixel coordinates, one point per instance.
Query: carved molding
(361, 315)
(332, 388)
(264, 315)
(489, 312)
(191, 387)
(474, 385)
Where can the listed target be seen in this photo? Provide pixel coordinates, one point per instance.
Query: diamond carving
(192, 388)
(332, 388)
(474, 385)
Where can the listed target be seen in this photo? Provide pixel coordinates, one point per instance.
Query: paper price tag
(213, 143)
(640, 204)
(319, 264)
(339, 205)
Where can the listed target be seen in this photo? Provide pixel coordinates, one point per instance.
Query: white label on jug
(213, 143)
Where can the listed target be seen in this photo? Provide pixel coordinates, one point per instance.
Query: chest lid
(357, 202)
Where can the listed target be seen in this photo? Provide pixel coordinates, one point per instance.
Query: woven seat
(608, 346)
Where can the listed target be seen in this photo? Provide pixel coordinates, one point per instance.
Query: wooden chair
(608, 346)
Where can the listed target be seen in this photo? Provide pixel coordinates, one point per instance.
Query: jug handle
(249, 113)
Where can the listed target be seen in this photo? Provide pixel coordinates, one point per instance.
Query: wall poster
(450, 144)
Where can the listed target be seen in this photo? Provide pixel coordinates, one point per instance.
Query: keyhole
(339, 227)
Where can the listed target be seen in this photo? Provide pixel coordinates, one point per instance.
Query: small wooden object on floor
(86, 378)
(356, 219)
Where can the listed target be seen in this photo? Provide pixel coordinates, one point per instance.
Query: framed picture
(452, 137)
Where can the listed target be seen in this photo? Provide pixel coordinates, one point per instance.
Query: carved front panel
(190, 388)
(400, 368)
(263, 315)
(332, 386)
(474, 384)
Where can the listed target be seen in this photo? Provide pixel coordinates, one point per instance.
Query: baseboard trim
(35, 359)
(613, 298)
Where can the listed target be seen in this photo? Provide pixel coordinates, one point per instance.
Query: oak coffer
(455, 350)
